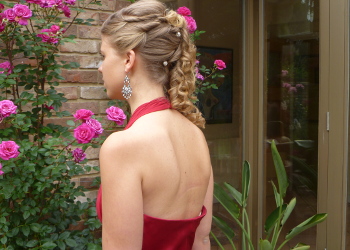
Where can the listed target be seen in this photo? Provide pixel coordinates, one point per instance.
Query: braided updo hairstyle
(159, 35)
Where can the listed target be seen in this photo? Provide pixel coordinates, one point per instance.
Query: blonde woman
(156, 174)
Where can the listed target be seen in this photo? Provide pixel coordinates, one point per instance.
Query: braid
(149, 28)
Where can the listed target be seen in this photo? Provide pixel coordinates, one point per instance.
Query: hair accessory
(126, 90)
(165, 63)
(178, 34)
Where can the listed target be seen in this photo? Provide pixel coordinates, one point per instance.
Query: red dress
(161, 234)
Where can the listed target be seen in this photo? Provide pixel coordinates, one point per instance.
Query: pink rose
(33, 1)
(84, 133)
(200, 76)
(96, 126)
(2, 23)
(116, 114)
(8, 150)
(83, 114)
(10, 15)
(2, 6)
(286, 85)
(7, 108)
(191, 24)
(23, 13)
(292, 89)
(1, 172)
(220, 64)
(299, 85)
(70, 2)
(184, 11)
(284, 72)
(6, 65)
(78, 155)
(47, 3)
(65, 9)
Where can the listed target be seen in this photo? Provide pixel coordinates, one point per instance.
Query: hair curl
(150, 29)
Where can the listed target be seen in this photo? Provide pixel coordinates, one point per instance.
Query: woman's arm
(202, 241)
(122, 205)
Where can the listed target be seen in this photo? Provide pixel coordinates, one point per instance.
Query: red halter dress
(161, 234)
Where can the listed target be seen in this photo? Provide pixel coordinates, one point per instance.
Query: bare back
(175, 164)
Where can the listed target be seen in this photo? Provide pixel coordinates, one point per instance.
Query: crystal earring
(126, 91)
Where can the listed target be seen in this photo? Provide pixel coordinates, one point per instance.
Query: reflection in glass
(292, 85)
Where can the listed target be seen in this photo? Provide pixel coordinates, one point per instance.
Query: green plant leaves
(312, 221)
(289, 210)
(301, 246)
(273, 218)
(245, 182)
(226, 201)
(265, 245)
(225, 228)
(280, 170)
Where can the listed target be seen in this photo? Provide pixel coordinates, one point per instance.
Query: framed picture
(216, 104)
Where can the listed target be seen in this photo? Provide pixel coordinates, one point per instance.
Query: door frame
(333, 117)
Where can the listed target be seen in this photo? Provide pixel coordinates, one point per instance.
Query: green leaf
(289, 210)
(312, 221)
(272, 219)
(265, 245)
(32, 243)
(234, 192)
(280, 170)
(92, 246)
(71, 242)
(49, 245)
(3, 240)
(245, 182)
(225, 228)
(70, 123)
(226, 201)
(301, 246)
(25, 230)
(26, 214)
(278, 198)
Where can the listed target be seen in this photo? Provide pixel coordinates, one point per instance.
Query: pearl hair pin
(165, 63)
(178, 34)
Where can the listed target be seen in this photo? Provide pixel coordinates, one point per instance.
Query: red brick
(90, 15)
(93, 93)
(104, 16)
(57, 121)
(90, 62)
(121, 4)
(90, 32)
(87, 182)
(71, 93)
(106, 5)
(80, 76)
(92, 153)
(72, 107)
(68, 58)
(73, 30)
(81, 46)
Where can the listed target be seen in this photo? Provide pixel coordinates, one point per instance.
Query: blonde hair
(159, 35)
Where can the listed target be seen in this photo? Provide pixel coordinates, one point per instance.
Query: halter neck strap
(158, 104)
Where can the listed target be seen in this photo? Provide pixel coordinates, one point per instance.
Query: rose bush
(38, 201)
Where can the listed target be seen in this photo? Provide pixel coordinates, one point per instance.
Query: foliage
(38, 202)
(274, 223)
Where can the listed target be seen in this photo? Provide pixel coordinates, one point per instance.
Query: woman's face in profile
(112, 69)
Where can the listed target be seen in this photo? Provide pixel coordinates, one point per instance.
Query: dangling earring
(126, 91)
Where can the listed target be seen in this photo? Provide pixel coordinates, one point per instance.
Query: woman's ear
(130, 60)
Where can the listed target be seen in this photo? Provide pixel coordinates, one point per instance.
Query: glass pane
(291, 105)
(222, 21)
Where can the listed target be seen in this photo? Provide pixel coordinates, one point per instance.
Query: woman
(156, 174)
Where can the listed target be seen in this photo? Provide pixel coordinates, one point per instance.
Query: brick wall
(83, 87)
